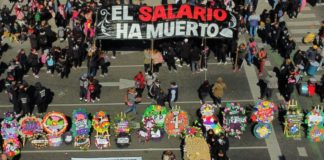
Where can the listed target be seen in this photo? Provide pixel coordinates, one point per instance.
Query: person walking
(289, 87)
(218, 91)
(22, 59)
(131, 100)
(253, 23)
(262, 56)
(139, 83)
(203, 91)
(24, 100)
(241, 54)
(173, 93)
(149, 78)
(272, 83)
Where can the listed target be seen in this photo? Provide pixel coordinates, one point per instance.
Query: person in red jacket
(139, 83)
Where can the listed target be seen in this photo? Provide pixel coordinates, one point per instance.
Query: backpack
(50, 61)
(43, 59)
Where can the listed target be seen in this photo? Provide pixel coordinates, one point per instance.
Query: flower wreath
(55, 123)
(315, 120)
(9, 126)
(293, 120)
(262, 130)
(11, 147)
(30, 125)
(207, 110)
(263, 112)
(39, 141)
(121, 124)
(316, 133)
(193, 131)
(234, 119)
(176, 121)
(81, 124)
(82, 141)
(157, 112)
(100, 122)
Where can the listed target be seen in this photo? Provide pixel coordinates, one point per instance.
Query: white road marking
(279, 96)
(303, 31)
(297, 139)
(302, 151)
(306, 15)
(128, 150)
(142, 103)
(272, 142)
(303, 23)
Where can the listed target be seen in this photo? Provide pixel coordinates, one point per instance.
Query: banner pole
(152, 46)
(205, 45)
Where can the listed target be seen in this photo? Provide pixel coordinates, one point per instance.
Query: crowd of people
(75, 26)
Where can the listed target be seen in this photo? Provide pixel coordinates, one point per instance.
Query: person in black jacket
(33, 61)
(169, 55)
(22, 59)
(24, 100)
(203, 91)
(222, 146)
(194, 58)
(40, 97)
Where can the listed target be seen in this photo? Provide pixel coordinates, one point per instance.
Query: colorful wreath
(81, 124)
(293, 120)
(9, 126)
(315, 120)
(234, 119)
(82, 141)
(100, 122)
(11, 147)
(157, 112)
(39, 141)
(30, 125)
(193, 131)
(102, 141)
(316, 133)
(262, 130)
(176, 121)
(121, 124)
(207, 110)
(263, 112)
(314, 117)
(55, 123)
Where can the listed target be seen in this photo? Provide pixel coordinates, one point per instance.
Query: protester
(131, 100)
(218, 91)
(173, 93)
(203, 91)
(41, 98)
(262, 56)
(139, 83)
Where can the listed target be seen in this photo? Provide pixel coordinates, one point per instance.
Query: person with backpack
(154, 89)
(149, 78)
(50, 64)
(40, 97)
(203, 91)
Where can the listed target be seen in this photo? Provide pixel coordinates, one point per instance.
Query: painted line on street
(303, 31)
(272, 142)
(128, 150)
(303, 23)
(142, 103)
(306, 15)
(302, 151)
(279, 96)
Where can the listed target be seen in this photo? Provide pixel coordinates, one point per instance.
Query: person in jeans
(131, 100)
(254, 23)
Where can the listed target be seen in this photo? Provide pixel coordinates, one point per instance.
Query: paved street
(241, 88)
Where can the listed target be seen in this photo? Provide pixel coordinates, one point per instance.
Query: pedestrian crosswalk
(306, 22)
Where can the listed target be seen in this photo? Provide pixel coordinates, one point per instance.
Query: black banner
(146, 22)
